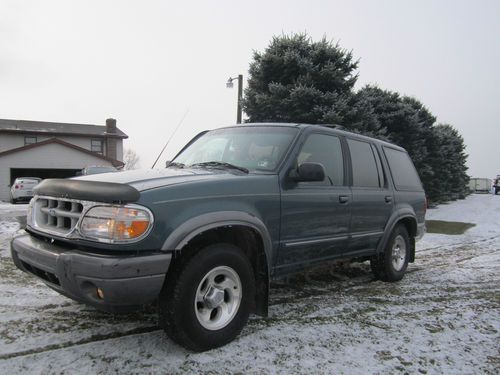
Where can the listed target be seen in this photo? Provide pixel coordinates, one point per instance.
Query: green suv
(237, 207)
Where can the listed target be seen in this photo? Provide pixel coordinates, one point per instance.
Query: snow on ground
(443, 317)
(12, 210)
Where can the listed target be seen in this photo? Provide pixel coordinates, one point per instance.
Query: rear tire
(391, 265)
(207, 300)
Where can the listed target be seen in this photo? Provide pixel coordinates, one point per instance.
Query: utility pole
(229, 85)
(240, 97)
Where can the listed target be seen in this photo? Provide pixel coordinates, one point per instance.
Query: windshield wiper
(175, 164)
(219, 164)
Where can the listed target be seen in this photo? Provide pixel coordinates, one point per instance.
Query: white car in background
(22, 188)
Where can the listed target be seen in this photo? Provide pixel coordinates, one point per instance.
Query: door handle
(388, 199)
(343, 198)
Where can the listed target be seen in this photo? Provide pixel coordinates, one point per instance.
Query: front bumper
(127, 281)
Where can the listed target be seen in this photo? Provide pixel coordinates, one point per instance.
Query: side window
(29, 140)
(327, 150)
(364, 165)
(96, 145)
(402, 169)
(381, 174)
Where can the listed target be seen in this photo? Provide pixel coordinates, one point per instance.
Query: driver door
(315, 215)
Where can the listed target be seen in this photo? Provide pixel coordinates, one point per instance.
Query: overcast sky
(146, 63)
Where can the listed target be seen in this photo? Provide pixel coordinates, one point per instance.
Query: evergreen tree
(437, 151)
(404, 121)
(298, 80)
(448, 160)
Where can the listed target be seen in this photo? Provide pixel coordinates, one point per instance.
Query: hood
(144, 179)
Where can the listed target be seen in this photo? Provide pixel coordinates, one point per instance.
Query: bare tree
(131, 159)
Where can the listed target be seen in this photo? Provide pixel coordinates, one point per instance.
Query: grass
(447, 227)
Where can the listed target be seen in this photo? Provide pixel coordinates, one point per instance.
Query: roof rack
(334, 126)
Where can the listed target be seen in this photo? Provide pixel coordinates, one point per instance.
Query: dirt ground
(443, 317)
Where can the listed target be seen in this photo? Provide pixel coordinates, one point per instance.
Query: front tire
(391, 265)
(207, 301)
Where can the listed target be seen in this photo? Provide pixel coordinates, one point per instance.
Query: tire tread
(381, 265)
(172, 297)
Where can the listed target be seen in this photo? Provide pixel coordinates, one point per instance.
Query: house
(55, 150)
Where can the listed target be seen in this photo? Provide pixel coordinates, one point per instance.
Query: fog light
(100, 293)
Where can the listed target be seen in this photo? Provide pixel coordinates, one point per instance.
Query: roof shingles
(56, 128)
(115, 162)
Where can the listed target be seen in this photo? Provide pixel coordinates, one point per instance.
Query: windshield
(250, 147)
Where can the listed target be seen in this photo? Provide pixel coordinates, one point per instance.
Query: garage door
(42, 173)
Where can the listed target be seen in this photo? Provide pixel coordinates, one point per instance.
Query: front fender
(199, 224)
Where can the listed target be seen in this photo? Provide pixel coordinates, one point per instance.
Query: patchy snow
(482, 210)
(443, 317)
(8, 210)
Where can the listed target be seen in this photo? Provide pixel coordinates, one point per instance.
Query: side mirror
(167, 163)
(308, 172)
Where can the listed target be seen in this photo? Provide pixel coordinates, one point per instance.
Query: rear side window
(365, 171)
(402, 169)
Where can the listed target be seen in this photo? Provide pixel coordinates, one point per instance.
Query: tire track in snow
(94, 338)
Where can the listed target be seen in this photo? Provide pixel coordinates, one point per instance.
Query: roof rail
(333, 126)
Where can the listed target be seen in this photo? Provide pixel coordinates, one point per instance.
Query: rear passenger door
(372, 199)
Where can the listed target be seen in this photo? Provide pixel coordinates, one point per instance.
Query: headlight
(116, 223)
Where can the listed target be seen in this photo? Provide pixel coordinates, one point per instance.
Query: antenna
(175, 131)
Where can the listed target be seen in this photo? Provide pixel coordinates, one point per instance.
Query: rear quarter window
(403, 171)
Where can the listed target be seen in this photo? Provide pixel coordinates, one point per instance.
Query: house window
(96, 145)
(29, 140)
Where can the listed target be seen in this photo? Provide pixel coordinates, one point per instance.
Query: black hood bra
(97, 191)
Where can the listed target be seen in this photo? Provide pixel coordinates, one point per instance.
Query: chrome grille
(56, 215)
